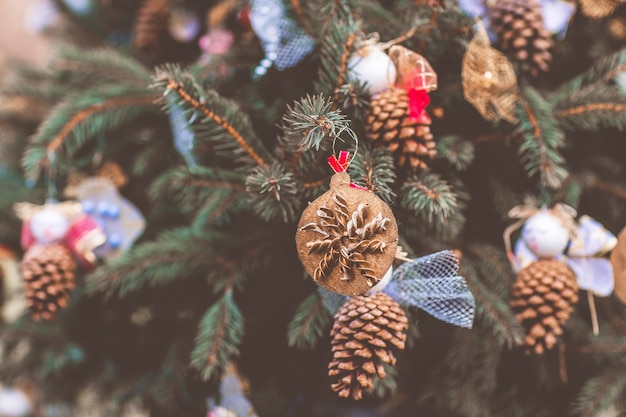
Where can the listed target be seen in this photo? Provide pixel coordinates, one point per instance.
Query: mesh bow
(284, 42)
(430, 283)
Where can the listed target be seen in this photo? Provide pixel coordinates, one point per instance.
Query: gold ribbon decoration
(489, 80)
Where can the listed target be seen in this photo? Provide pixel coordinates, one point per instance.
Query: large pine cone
(49, 274)
(366, 328)
(521, 33)
(543, 295)
(389, 124)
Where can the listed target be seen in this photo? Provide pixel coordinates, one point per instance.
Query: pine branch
(493, 310)
(601, 392)
(337, 46)
(603, 71)
(374, 170)
(430, 197)
(493, 266)
(602, 108)
(219, 335)
(176, 254)
(214, 119)
(309, 323)
(82, 117)
(210, 194)
(91, 67)
(455, 150)
(274, 193)
(541, 140)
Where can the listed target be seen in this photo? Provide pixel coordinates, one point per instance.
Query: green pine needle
(219, 335)
(309, 323)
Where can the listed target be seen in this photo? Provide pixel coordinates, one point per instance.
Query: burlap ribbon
(489, 80)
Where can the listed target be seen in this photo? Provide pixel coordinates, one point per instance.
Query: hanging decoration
(347, 241)
(52, 235)
(233, 399)
(183, 24)
(284, 42)
(400, 83)
(555, 256)
(489, 80)
(121, 222)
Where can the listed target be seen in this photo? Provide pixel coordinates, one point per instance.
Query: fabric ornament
(368, 328)
(553, 235)
(52, 235)
(284, 42)
(489, 80)
(121, 222)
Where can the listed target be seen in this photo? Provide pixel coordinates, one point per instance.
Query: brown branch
(610, 188)
(314, 184)
(343, 68)
(212, 184)
(79, 117)
(429, 28)
(201, 107)
(537, 133)
(429, 193)
(586, 108)
(297, 7)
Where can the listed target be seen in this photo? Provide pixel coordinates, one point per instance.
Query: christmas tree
(185, 248)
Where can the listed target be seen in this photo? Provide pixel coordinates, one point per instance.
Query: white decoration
(41, 15)
(49, 226)
(374, 67)
(383, 282)
(79, 7)
(544, 235)
(14, 403)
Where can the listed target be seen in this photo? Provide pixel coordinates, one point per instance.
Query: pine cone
(543, 295)
(366, 328)
(49, 273)
(389, 123)
(521, 33)
(150, 24)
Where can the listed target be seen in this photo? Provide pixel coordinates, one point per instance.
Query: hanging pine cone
(521, 33)
(150, 25)
(543, 295)
(49, 273)
(389, 124)
(366, 328)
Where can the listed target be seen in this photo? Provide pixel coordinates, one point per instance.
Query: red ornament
(244, 18)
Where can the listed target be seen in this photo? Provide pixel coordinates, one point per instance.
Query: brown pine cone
(150, 25)
(365, 330)
(543, 295)
(389, 124)
(521, 33)
(49, 274)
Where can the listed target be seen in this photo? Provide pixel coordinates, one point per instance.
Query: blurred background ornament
(489, 80)
(121, 222)
(41, 15)
(14, 403)
(285, 43)
(80, 7)
(217, 41)
(184, 24)
(234, 401)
